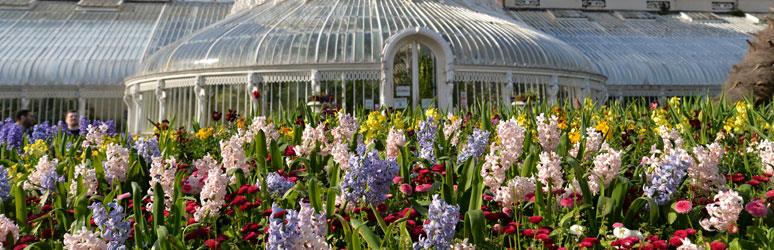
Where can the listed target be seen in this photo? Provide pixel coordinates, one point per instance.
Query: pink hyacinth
(550, 171)
(548, 132)
(395, 140)
(683, 206)
(723, 212)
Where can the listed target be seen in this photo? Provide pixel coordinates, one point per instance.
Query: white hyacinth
(213, 194)
(8, 228)
(511, 140)
(117, 163)
(606, 167)
(95, 135)
(309, 139)
(766, 152)
(89, 180)
(723, 212)
(548, 132)
(550, 171)
(706, 174)
(515, 191)
(451, 130)
(163, 172)
(395, 140)
(234, 156)
(312, 228)
(492, 172)
(84, 240)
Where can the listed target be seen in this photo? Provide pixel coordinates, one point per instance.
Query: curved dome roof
(315, 32)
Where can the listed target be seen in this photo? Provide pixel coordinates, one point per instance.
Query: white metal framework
(294, 52)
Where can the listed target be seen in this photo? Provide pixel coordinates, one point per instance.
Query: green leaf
(477, 222)
(158, 206)
(314, 194)
(371, 239)
(139, 220)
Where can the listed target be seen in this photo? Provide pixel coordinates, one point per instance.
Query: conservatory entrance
(414, 77)
(416, 65)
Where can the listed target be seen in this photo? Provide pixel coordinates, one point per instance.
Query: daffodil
(37, 149)
(204, 133)
(374, 125)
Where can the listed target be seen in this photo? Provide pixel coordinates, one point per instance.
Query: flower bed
(684, 175)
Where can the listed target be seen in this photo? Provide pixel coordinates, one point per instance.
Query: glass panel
(401, 78)
(427, 77)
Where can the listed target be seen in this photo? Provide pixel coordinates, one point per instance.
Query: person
(25, 120)
(72, 120)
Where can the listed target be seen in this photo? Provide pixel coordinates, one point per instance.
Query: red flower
(211, 244)
(542, 237)
(216, 116)
(509, 229)
(681, 234)
(528, 232)
(676, 241)
(770, 194)
(683, 206)
(756, 208)
(535, 219)
(566, 202)
(250, 236)
(423, 188)
(753, 183)
(406, 189)
(256, 94)
(290, 151)
(439, 168)
(717, 245)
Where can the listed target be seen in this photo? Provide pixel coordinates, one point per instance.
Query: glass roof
(663, 50)
(298, 32)
(56, 43)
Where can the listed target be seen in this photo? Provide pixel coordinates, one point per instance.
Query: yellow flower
(397, 120)
(674, 102)
(204, 133)
(287, 132)
(432, 112)
(37, 149)
(522, 120)
(373, 125)
(241, 123)
(575, 136)
(602, 127)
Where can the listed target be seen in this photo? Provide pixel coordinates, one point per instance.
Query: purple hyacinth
(440, 231)
(147, 148)
(43, 131)
(5, 186)
(278, 185)
(11, 135)
(666, 179)
(113, 226)
(426, 139)
(368, 178)
(476, 145)
(282, 235)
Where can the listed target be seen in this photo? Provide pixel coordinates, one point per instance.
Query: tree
(753, 77)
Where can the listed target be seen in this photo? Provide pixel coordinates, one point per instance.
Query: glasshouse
(351, 54)
(137, 61)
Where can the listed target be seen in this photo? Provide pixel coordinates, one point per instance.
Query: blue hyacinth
(11, 135)
(426, 139)
(278, 185)
(666, 179)
(476, 145)
(282, 235)
(5, 186)
(440, 231)
(43, 131)
(147, 148)
(368, 178)
(114, 228)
